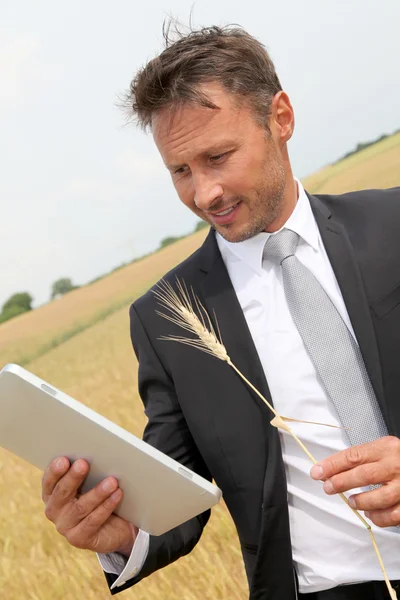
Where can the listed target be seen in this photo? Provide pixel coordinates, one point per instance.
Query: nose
(206, 190)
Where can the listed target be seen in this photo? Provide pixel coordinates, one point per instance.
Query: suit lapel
(223, 307)
(345, 267)
(219, 298)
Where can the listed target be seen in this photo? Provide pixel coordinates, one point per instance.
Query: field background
(80, 343)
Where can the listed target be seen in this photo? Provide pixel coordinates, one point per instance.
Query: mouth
(225, 216)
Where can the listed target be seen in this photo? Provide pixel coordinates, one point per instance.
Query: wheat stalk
(186, 311)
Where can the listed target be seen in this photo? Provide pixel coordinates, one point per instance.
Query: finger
(385, 518)
(362, 476)
(355, 456)
(99, 515)
(85, 533)
(66, 488)
(52, 475)
(382, 498)
(81, 507)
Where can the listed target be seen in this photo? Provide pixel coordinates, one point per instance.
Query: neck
(289, 201)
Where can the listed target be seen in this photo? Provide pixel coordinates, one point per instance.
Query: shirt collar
(251, 250)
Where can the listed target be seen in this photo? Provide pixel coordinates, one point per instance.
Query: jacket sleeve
(167, 431)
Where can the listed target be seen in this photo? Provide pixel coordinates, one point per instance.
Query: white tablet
(39, 422)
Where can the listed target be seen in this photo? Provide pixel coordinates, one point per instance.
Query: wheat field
(32, 334)
(374, 167)
(81, 345)
(98, 368)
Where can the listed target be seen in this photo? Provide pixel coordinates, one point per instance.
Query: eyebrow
(174, 167)
(214, 150)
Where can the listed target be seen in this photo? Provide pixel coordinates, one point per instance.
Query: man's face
(225, 167)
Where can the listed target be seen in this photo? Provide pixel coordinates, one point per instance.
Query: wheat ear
(180, 306)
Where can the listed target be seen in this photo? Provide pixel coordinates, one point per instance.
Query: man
(306, 293)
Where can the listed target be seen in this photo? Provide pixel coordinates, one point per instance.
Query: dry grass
(30, 334)
(98, 367)
(375, 167)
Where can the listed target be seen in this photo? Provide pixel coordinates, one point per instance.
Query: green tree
(169, 240)
(11, 312)
(62, 286)
(22, 300)
(201, 225)
(16, 305)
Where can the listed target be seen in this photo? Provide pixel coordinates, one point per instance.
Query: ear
(281, 118)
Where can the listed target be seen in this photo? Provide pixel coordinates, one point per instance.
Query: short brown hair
(227, 55)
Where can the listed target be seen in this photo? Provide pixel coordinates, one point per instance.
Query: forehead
(190, 129)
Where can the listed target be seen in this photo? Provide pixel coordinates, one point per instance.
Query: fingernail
(328, 487)
(80, 466)
(108, 485)
(115, 496)
(60, 464)
(352, 501)
(317, 472)
(367, 514)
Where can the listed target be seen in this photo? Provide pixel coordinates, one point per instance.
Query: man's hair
(226, 55)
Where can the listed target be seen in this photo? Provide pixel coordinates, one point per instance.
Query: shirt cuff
(126, 568)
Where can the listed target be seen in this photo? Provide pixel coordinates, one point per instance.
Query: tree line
(21, 302)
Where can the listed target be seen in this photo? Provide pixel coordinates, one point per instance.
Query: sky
(82, 192)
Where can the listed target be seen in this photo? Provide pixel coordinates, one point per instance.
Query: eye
(180, 171)
(218, 157)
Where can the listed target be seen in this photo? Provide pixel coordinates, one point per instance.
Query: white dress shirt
(330, 545)
(123, 567)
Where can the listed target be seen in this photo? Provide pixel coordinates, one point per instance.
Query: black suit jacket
(202, 414)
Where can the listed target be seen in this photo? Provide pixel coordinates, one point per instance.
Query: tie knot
(281, 245)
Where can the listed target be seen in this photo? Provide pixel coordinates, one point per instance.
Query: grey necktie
(331, 346)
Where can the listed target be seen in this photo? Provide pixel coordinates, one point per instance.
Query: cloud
(85, 187)
(19, 67)
(141, 166)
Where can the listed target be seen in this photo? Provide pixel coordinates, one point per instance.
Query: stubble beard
(265, 207)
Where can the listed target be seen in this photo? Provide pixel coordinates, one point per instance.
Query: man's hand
(86, 520)
(364, 465)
